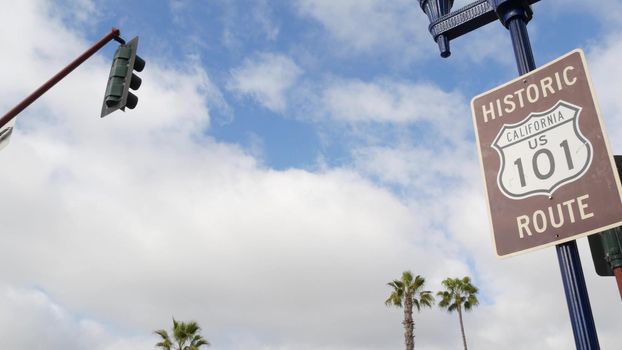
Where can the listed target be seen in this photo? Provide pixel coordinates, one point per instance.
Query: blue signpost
(514, 15)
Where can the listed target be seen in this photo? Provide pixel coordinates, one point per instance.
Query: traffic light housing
(606, 249)
(5, 133)
(606, 246)
(122, 78)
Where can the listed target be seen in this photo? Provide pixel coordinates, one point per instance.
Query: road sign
(548, 173)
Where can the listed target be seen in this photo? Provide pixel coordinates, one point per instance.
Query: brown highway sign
(548, 172)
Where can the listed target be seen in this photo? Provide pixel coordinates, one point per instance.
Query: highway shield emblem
(543, 152)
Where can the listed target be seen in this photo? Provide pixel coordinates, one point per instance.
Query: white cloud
(263, 16)
(126, 221)
(75, 12)
(604, 68)
(387, 101)
(418, 169)
(486, 44)
(266, 78)
(37, 322)
(609, 11)
(134, 218)
(398, 30)
(366, 25)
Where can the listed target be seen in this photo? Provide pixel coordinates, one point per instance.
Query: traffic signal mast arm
(114, 34)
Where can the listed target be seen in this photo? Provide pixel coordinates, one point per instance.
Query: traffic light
(122, 78)
(606, 246)
(606, 249)
(5, 133)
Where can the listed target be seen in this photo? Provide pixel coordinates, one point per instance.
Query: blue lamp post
(514, 15)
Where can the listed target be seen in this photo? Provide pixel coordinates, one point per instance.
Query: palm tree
(185, 337)
(407, 292)
(458, 294)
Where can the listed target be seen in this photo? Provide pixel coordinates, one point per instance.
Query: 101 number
(541, 157)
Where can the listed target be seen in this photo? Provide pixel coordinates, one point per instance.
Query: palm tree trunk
(462, 328)
(409, 324)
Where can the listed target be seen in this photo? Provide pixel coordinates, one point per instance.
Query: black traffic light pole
(114, 34)
(514, 15)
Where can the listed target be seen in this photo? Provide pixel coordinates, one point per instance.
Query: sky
(286, 160)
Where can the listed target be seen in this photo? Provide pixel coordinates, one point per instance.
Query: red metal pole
(618, 273)
(114, 33)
